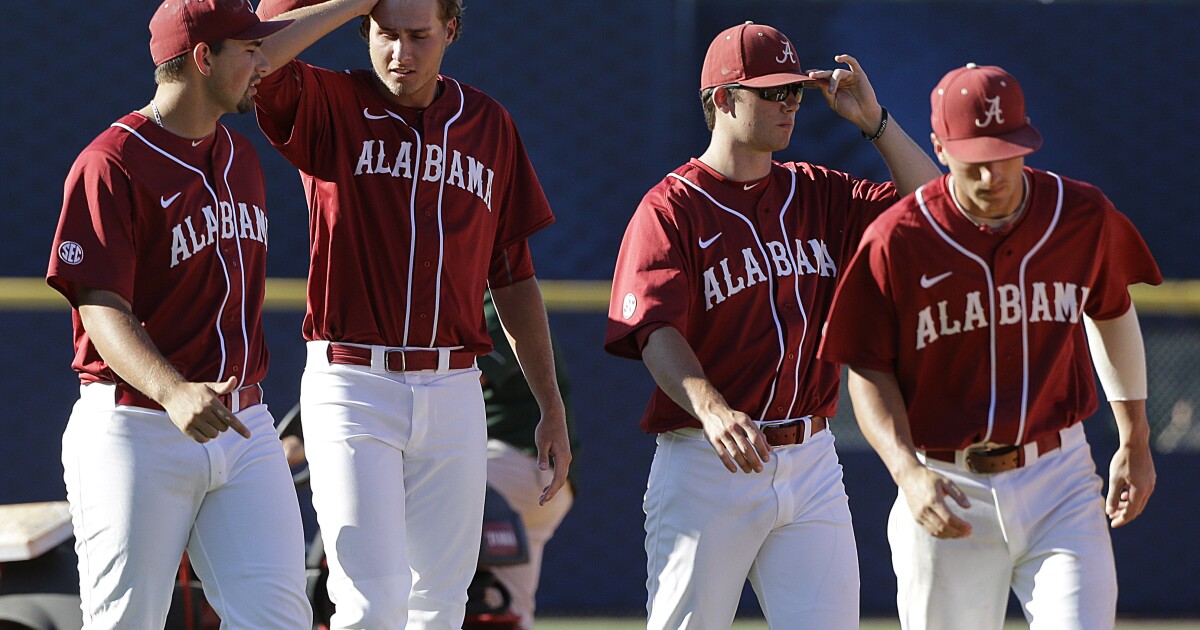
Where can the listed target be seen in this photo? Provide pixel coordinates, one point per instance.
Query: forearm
(883, 419)
(523, 317)
(124, 345)
(1133, 425)
(909, 165)
(677, 371)
(311, 24)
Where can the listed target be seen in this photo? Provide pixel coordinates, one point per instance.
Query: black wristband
(882, 125)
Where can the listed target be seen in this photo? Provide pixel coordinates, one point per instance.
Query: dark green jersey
(512, 411)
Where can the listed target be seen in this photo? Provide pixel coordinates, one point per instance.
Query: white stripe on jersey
(437, 293)
(237, 234)
(412, 241)
(1025, 311)
(796, 290)
(216, 249)
(770, 285)
(987, 273)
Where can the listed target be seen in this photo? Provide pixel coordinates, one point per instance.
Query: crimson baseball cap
(979, 115)
(754, 55)
(178, 25)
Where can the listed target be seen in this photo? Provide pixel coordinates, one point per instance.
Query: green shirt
(512, 411)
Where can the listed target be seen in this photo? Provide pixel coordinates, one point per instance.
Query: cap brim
(262, 29)
(1005, 146)
(773, 80)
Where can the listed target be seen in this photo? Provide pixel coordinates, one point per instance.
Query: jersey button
(426, 264)
(424, 316)
(791, 356)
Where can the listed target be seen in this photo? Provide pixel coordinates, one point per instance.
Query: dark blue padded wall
(605, 96)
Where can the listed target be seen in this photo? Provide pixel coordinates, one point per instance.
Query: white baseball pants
(398, 463)
(787, 529)
(1039, 530)
(141, 492)
(517, 478)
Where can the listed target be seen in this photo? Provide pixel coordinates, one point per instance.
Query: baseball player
(421, 196)
(966, 318)
(512, 469)
(721, 288)
(161, 250)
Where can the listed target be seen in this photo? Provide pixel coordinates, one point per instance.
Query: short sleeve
(94, 243)
(293, 113)
(1125, 259)
(651, 287)
(522, 203)
(861, 327)
(510, 265)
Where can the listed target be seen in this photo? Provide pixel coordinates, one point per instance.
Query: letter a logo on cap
(787, 53)
(993, 113)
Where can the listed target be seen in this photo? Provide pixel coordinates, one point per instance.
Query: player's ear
(451, 31)
(200, 56)
(938, 149)
(723, 99)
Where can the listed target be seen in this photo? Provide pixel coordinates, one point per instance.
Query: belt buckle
(989, 452)
(796, 425)
(387, 362)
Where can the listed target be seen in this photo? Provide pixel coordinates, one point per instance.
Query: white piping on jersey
(412, 221)
(796, 290)
(770, 285)
(987, 273)
(217, 249)
(237, 234)
(437, 293)
(412, 213)
(1020, 437)
(1024, 308)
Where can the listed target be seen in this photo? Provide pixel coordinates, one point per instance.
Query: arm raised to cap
(312, 21)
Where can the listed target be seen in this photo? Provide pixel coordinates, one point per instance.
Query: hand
(849, 93)
(736, 439)
(926, 493)
(1131, 480)
(554, 449)
(195, 409)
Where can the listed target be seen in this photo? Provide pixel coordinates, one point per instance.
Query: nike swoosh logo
(927, 282)
(705, 243)
(166, 201)
(369, 116)
(749, 186)
(196, 143)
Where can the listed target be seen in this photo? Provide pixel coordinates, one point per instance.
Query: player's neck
(736, 162)
(180, 112)
(997, 218)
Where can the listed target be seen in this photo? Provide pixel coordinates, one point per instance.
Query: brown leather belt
(1000, 458)
(399, 360)
(247, 397)
(792, 432)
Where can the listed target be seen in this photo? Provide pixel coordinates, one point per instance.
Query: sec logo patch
(70, 252)
(628, 306)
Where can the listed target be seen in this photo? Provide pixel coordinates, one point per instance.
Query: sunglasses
(777, 93)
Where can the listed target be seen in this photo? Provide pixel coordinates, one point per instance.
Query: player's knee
(380, 602)
(267, 604)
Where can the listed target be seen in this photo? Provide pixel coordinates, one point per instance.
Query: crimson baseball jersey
(983, 329)
(412, 213)
(178, 228)
(746, 272)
